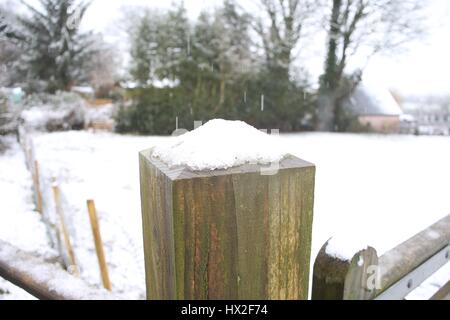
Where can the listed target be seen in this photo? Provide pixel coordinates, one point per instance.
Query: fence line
(67, 256)
(53, 231)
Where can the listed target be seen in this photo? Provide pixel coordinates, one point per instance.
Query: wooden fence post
(33, 167)
(65, 232)
(98, 244)
(37, 187)
(336, 279)
(227, 234)
(30, 152)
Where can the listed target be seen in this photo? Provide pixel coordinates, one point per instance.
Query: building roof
(371, 100)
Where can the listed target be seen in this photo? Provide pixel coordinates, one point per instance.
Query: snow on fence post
(226, 233)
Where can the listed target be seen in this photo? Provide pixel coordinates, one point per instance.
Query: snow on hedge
(100, 114)
(61, 111)
(220, 144)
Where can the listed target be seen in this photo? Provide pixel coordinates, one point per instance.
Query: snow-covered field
(20, 224)
(102, 167)
(370, 189)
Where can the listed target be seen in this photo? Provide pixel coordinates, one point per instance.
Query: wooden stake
(28, 160)
(98, 244)
(30, 152)
(38, 187)
(60, 212)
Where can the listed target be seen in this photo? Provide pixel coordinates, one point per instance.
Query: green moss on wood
(240, 235)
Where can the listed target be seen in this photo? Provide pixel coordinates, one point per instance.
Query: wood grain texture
(407, 256)
(336, 279)
(37, 187)
(68, 244)
(358, 281)
(227, 234)
(328, 276)
(158, 234)
(98, 244)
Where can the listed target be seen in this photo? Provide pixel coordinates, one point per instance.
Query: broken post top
(222, 147)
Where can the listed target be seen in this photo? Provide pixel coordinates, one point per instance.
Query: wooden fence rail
(390, 276)
(44, 280)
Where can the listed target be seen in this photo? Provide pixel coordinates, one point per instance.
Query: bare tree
(281, 29)
(103, 67)
(354, 26)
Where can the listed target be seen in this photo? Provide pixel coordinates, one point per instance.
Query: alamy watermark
(373, 281)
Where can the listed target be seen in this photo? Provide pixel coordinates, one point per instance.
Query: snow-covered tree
(214, 69)
(159, 45)
(174, 43)
(222, 45)
(102, 67)
(144, 42)
(8, 27)
(10, 49)
(55, 51)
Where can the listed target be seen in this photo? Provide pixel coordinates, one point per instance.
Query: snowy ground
(21, 225)
(102, 167)
(370, 189)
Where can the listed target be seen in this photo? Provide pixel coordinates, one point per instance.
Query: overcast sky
(423, 69)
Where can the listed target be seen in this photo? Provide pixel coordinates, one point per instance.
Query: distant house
(374, 107)
(430, 118)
